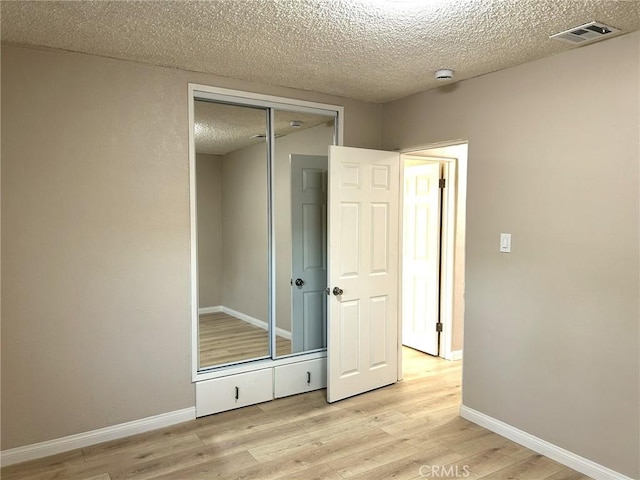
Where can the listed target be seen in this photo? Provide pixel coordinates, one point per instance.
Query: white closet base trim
(560, 455)
(80, 440)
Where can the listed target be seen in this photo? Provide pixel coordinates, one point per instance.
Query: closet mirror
(233, 236)
(260, 212)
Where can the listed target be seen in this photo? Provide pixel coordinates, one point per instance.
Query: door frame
(442, 173)
(450, 207)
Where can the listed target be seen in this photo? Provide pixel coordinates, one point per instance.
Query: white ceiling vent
(587, 33)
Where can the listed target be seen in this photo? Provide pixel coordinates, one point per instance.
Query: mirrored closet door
(300, 221)
(233, 237)
(260, 210)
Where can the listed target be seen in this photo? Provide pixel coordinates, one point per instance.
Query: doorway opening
(433, 232)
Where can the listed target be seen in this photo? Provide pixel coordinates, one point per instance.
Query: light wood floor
(226, 339)
(392, 432)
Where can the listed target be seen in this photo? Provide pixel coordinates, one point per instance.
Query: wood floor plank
(144, 448)
(317, 472)
(421, 433)
(316, 453)
(169, 464)
(289, 413)
(483, 440)
(329, 418)
(42, 465)
(322, 436)
(220, 468)
(247, 440)
(281, 447)
(409, 467)
(482, 463)
(357, 423)
(534, 467)
(435, 417)
(360, 462)
(131, 452)
(567, 474)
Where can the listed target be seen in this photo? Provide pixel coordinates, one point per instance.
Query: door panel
(378, 307)
(380, 238)
(363, 244)
(421, 252)
(315, 332)
(349, 328)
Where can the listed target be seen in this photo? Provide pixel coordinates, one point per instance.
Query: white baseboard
(80, 440)
(454, 355)
(206, 310)
(246, 318)
(283, 333)
(256, 322)
(560, 455)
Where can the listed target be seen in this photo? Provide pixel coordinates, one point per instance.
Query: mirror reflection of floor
(226, 339)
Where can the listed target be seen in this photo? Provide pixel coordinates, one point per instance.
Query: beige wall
(245, 243)
(96, 328)
(209, 208)
(551, 330)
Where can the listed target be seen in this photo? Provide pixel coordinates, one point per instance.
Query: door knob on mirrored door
(337, 291)
(299, 282)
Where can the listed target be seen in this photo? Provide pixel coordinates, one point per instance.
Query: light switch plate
(505, 243)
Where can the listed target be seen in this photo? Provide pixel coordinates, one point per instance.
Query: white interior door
(309, 252)
(421, 257)
(362, 351)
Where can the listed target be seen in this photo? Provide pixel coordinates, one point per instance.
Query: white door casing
(309, 252)
(421, 257)
(362, 351)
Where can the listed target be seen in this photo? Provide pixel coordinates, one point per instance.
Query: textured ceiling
(372, 50)
(221, 129)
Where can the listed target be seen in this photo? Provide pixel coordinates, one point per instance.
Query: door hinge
(442, 183)
(439, 327)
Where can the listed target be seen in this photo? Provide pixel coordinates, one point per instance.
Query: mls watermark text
(444, 471)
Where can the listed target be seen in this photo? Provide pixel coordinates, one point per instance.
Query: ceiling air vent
(587, 33)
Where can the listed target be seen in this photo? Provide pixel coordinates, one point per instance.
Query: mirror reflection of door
(309, 252)
(232, 209)
(302, 140)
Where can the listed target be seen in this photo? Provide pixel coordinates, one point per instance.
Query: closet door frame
(238, 97)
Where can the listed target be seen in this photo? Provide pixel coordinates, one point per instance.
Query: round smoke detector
(444, 74)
